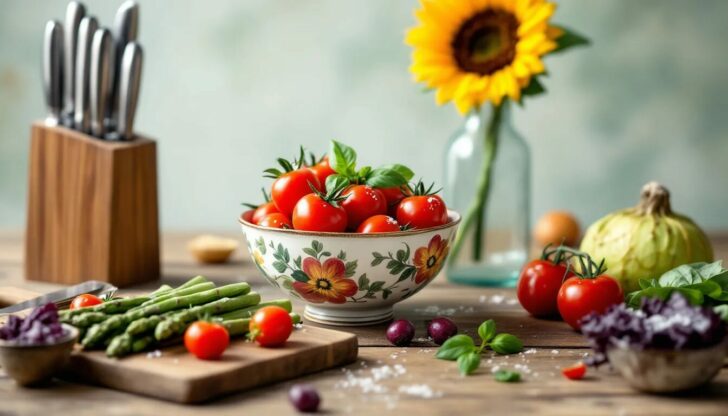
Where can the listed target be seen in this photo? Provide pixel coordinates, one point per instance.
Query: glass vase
(487, 180)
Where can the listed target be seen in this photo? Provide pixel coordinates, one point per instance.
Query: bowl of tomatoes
(350, 242)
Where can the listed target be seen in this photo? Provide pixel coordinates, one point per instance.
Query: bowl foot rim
(359, 317)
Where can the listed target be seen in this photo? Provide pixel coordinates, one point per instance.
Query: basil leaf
(694, 296)
(486, 330)
(403, 170)
(707, 288)
(709, 270)
(645, 283)
(468, 362)
(335, 182)
(722, 310)
(506, 376)
(506, 344)
(385, 178)
(680, 276)
(342, 159)
(455, 347)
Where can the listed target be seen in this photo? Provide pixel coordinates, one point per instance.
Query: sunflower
(327, 282)
(472, 51)
(429, 260)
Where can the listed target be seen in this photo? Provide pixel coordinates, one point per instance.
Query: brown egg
(556, 227)
(212, 249)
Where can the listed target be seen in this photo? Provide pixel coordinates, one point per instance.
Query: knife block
(92, 209)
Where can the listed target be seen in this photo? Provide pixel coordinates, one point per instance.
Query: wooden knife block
(92, 209)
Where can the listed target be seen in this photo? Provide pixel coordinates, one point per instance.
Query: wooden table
(412, 380)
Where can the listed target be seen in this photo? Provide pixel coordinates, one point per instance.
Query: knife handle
(125, 30)
(86, 30)
(75, 11)
(53, 70)
(130, 79)
(100, 80)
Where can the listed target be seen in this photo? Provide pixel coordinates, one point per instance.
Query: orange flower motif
(429, 260)
(327, 282)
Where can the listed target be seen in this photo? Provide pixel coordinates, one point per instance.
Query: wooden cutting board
(177, 376)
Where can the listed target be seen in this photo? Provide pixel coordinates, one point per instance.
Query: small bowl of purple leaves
(661, 347)
(34, 348)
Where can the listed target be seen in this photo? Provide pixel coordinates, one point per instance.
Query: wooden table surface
(386, 379)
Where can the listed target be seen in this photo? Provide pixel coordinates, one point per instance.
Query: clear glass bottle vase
(487, 180)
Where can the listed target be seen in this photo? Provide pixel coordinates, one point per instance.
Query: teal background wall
(230, 85)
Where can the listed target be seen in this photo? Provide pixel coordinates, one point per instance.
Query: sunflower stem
(475, 215)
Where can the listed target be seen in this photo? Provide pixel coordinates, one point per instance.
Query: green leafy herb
(342, 160)
(700, 283)
(722, 310)
(506, 376)
(462, 348)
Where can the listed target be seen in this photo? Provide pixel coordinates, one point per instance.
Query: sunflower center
(323, 284)
(486, 42)
(431, 261)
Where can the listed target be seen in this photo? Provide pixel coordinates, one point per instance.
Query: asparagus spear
(87, 319)
(194, 281)
(143, 325)
(250, 311)
(176, 324)
(97, 333)
(201, 287)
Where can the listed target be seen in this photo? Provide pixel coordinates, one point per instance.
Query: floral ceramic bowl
(348, 278)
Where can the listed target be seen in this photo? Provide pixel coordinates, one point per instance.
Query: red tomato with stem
(422, 211)
(84, 301)
(322, 170)
(316, 213)
(206, 340)
(394, 195)
(378, 224)
(291, 186)
(271, 326)
(276, 220)
(263, 210)
(362, 202)
(540, 281)
(593, 292)
(575, 372)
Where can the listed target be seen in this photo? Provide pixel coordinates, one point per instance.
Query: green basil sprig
(463, 349)
(699, 283)
(342, 160)
(507, 376)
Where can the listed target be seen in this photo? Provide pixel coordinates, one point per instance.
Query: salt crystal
(497, 299)
(495, 369)
(554, 352)
(511, 301)
(420, 390)
(154, 354)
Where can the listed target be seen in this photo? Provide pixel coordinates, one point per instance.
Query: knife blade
(125, 30)
(62, 297)
(86, 30)
(53, 71)
(131, 70)
(100, 80)
(75, 11)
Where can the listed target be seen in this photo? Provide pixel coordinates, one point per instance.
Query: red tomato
(394, 195)
(378, 224)
(539, 285)
(275, 220)
(422, 211)
(575, 372)
(313, 213)
(290, 187)
(322, 170)
(362, 202)
(206, 340)
(578, 297)
(271, 326)
(84, 301)
(263, 210)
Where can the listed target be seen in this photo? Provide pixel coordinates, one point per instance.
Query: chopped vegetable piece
(84, 301)
(575, 372)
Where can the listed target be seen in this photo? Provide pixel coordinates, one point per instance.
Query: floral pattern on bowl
(350, 279)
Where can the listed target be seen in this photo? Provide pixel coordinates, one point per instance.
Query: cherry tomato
(271, 326)
(422, 211)
(206, 340)
(362, 202)
(578, 297)
(539, 285)
(322, 170)
(394, 195)
(313, 213)
(575, 372)
(290, 187)
(263, 210)
(378, 224)
(84, 301)
(275, 220)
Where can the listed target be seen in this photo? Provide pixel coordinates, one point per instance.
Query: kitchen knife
(86, 30)
(62, 297)
(126, 28)
(100, 80)
(130, 78)
(53, 71)
(75, 11)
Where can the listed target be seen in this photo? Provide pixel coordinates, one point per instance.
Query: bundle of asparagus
(130, 325)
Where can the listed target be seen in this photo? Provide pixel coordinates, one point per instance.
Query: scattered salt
(554, 352)
(154, 354)
(511, 301)
(420, 390)
(497, 299)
